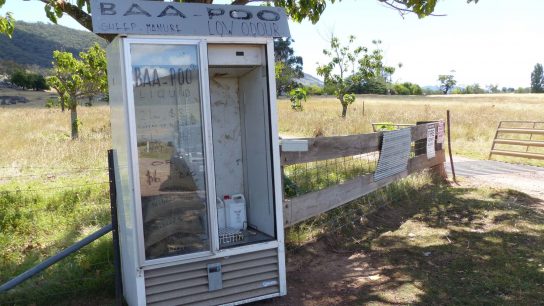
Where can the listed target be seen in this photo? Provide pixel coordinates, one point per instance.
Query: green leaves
(53, 10)
(94, 70)
(296, 96)
(349, 98)
(7, 23)
(288, 66)
(299, 10)
(421, 8)
(349, 66)
(303, 9)
(73, 78)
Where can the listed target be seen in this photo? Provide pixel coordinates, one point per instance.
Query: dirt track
(526, 179)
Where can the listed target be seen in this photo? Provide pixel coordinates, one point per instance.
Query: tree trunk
(74, 123)
(344, 105)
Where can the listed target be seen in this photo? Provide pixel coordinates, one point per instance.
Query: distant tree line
(28, 80)
(448, 82)
(374, 86)
(477, 89)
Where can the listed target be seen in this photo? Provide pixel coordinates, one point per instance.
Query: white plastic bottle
(220, 206)
(235, 207)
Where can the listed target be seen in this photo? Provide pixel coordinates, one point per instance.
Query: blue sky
(492, 42)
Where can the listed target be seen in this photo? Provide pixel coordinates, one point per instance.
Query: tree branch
(75, 12)
(199, 1)
(80, 16)
(244, 2)
(400, 6)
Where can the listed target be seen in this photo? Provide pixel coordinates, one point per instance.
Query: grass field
(53, 191)
(474, 121)
(474, 118)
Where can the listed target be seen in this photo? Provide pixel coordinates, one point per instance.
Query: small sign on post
(440, 132)
(431, 134)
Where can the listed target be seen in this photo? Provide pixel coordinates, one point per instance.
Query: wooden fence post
(438, 172)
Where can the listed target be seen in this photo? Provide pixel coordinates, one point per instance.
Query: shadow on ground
(433, 245)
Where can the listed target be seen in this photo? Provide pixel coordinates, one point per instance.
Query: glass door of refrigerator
(170, 148)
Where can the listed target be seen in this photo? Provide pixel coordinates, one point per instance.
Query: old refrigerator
(197, 164)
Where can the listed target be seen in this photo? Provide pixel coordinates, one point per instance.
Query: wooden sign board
(188, 19)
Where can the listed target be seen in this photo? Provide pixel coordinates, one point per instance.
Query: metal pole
(495, 138)
(54, 259)
(531, 137)
(449, 149)
(115, 231)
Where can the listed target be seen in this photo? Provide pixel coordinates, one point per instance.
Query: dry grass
(33, 136)
(474, 118)
(36, 136)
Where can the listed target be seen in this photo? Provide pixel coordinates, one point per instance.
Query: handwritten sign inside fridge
(189, 19)
(167, 100)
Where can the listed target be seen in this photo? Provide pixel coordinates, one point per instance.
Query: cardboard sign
(431, 134)
(189, 19)
(440, 133)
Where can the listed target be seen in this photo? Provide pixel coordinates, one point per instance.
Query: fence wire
(361, 220)
(303, 178)
(307, 177)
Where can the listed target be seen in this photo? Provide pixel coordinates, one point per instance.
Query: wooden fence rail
(312, 204)
(530, 131)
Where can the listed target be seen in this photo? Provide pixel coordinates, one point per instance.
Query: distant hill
(309, 80)
(34, 43)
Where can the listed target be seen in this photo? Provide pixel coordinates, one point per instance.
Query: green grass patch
(38, 219)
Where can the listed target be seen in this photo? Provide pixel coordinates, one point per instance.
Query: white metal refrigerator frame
(214, 252)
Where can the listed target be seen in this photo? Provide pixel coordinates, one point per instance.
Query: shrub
(400, 89)
(28, 80)
(314, 90)
(51, 103)
(376, 86)
(296, 96)
(406, 88)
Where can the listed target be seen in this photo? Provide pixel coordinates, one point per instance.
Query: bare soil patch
(474, 244)
(35, 98)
